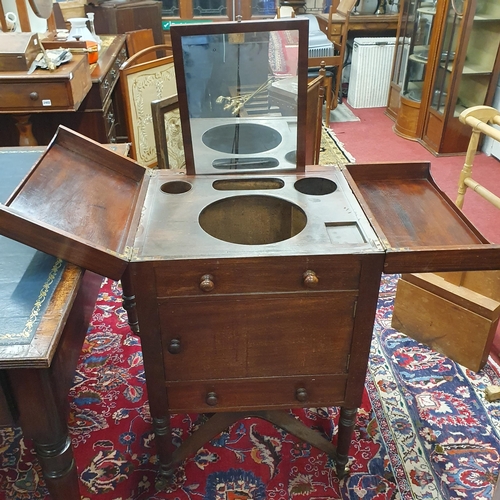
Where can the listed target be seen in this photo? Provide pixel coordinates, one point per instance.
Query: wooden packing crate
(449, 318)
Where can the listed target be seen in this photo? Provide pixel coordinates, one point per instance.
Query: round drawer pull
(310, 279)
(34, 96)
(174, 346)
(211, 399)
(206, 283)
(301, 395)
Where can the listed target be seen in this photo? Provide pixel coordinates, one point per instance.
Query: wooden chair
(141, 84)
(323, 50)
(315, 97)
(334, 61)
(168, 133)
(456, 313)
(138, 40)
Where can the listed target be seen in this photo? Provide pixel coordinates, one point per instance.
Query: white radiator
(371, 65)
(325, 51)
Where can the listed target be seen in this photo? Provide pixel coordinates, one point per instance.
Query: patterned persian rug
(424, 430)
(332, 151)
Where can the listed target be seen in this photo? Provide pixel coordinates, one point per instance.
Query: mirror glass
(239, 90)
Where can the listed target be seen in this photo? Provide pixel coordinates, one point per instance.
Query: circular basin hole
(241, 138)
(315, 186)
(176, 187)
(252, 219)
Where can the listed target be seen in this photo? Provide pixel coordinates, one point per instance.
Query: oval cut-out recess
(317, 186)
(176, 187)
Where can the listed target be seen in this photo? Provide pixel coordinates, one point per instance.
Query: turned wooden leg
(346, 426)
(129, 304)
(163, 441)
(42, 418)
(59, 470)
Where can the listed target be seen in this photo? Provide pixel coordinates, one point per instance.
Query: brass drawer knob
(34, 96)
(211, 399)
(301, 395)
(174, 346)
(310, 279)
(207, 284)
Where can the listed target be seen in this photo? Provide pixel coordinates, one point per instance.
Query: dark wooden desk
(99, 116)
(46, 308)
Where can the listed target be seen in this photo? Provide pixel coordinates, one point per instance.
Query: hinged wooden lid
(421, 229)
(80, 202)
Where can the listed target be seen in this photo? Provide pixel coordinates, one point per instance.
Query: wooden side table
(362, 25)
(40, 339)
(98, 114)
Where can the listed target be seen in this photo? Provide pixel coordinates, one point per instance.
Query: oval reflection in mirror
(241, 138)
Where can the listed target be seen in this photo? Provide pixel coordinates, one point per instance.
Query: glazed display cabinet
(446, 60)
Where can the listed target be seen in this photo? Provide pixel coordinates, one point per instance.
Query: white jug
(79, 30)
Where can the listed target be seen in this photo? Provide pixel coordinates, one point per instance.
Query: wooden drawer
(336, 39)
(109, 81)
(237, 336)
(336, 29)
(105, 73)
(109, 119)
(274, 393)
(61, 90)
(176, 278)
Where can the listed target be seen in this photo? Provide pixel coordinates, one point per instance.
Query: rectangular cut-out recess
(344, 233)
(247, 184)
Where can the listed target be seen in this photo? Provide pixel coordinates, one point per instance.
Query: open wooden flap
(420, 228)
(80, 202)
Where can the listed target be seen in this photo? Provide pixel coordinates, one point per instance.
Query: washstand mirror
(242, 95)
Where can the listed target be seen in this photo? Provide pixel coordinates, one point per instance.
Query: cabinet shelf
(472, 68)
(417, 58)
(430, 11)
(486, 18)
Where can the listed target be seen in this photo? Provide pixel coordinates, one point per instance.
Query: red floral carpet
(424, 431)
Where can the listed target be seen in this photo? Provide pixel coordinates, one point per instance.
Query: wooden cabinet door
(267, 335)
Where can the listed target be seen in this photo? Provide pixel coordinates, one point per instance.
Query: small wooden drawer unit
(61, 90)
(98, 114)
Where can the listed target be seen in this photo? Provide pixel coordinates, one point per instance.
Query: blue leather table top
(28, 277)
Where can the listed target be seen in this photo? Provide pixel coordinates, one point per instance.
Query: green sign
(167, 23)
